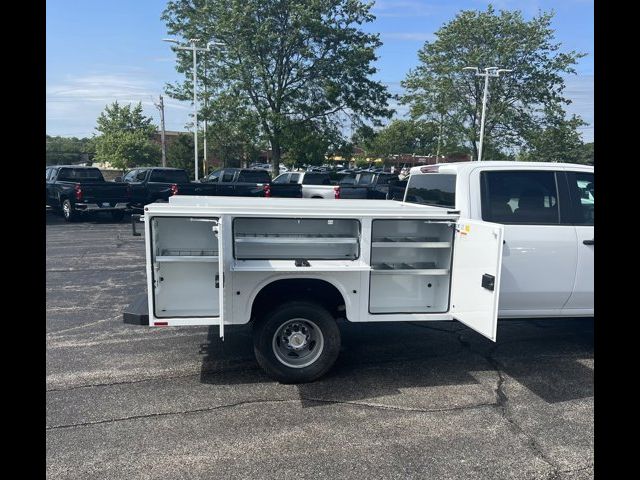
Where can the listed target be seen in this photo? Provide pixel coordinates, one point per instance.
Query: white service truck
(292, 267)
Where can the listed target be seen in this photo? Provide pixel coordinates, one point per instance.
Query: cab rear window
(435, 189)
(254, 176)
(80, 174)
(169, 176)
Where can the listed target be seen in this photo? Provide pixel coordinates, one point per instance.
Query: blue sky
(99, 51)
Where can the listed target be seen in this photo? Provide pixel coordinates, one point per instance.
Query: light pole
(206, 97)
(488, 72)
(194, 49)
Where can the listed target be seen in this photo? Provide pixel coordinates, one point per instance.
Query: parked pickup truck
(244, 182)
(314, 184)
(547, 212)
(78, 190)
(368, 185)
(150, 184)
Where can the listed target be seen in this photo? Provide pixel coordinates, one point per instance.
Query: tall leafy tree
(406, 136)
(125, 137)
(560, 142)
(294, 61)
(180, 154)
(521, 103)
(233, 129)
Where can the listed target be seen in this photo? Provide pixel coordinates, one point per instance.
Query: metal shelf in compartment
(293, 238)
(405, 268)
(187, 255)
(409, 242)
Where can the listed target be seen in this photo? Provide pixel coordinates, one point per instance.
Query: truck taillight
(336, 192)
(266, 188)
(430, 169)
(173, 189)
(78, 192)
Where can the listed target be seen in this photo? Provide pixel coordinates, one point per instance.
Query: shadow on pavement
(379, 360)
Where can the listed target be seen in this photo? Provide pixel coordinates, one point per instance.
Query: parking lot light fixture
(488, 72)
(193, 49)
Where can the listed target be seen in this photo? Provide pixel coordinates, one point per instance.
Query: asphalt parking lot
(432, 400)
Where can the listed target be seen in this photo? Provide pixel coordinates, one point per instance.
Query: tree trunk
(276, 153)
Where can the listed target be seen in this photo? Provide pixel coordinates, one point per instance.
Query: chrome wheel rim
(66, 209)
(298, 343)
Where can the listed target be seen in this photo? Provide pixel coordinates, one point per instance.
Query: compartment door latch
(488, 281)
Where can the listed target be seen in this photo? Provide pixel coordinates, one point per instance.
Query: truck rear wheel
(69, 214)
(298, 342)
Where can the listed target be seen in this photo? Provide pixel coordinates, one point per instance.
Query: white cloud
(74, 103)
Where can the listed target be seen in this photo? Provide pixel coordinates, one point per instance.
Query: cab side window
(582, 197)
(520, 197)
(227, 177)
(141, 175)
(129, 176)
(284, 178)
(214, 177)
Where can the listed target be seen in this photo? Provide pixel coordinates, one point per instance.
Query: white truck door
(539, 254)
(582, 200)
(475, 275)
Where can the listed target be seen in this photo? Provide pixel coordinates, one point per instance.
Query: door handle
(588, 242)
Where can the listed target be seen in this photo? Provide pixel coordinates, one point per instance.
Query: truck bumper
(137, 313)
(94, 207)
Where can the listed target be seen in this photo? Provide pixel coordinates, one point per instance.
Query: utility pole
(160, 106)
(488, 72)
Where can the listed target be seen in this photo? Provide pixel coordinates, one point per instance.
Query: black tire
(310, 314)
(117, 215)
(68, 213)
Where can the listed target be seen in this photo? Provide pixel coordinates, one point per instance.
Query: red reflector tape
(160, 324)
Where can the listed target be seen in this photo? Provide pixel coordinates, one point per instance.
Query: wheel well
(280, 291)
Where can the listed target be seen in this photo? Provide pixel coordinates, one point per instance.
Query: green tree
(558, 143)
(308, 143)
(293, 61)
(406, 136)
(125, 137)
(180, 154)
(233, 129)
(587, 154)
(521, 104)
(61, 150)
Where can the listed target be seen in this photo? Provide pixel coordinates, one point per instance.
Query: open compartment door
(475, 282)
(217, 231)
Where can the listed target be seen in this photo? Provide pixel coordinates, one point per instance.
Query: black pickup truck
(152, 184)
(77, 191)
(243, 182)
(368, 185)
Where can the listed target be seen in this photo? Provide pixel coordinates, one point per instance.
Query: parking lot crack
(397, 408)
(166, 414)
(502, 404)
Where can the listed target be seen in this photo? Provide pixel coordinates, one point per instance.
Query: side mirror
(117, 179)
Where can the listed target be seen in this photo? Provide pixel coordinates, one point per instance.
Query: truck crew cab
(547, 210)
